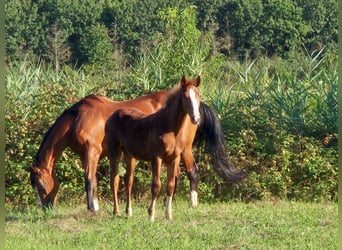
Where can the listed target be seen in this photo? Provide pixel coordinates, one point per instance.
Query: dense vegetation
(269, 71)
(87, 31)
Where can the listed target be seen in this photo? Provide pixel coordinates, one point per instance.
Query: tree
(25, 29)
(321, 19)
(95, 45)
(239, 20)
(281, 27)
(58, 48)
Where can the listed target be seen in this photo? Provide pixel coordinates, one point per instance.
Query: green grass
(258, 225)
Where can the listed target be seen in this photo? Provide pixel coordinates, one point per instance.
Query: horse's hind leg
(114, 154)
(131, 162)
(172, 173)
(178, 172)
(155, 187)
(191, 171)
(90, 165)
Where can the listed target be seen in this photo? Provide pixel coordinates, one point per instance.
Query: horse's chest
(170, 146)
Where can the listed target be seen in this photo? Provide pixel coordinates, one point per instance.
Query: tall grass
(298, 95)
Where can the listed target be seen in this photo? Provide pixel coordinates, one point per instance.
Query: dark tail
(209, 133)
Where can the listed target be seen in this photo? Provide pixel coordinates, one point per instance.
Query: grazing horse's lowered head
(46, 185)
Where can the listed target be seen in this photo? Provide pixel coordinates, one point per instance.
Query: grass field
(257, 225)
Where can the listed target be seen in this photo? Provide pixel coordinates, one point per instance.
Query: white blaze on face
(195, 105)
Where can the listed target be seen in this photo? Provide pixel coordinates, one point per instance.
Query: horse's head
(46, 185)
(191, 98)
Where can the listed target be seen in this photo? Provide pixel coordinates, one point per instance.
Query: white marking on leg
(193, 198)
(168, 207)
(129, 211)
(152, 210)
(96, 204)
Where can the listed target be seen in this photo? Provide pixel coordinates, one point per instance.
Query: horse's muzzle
(195, 119)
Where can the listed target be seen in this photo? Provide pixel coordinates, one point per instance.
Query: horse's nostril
(195, 119)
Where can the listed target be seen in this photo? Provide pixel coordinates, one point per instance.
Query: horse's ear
(183, 81)
(198, 80)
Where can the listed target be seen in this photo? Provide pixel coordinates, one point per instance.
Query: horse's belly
(137, 150)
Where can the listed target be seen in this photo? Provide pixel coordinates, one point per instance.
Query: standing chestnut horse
(82, 128)
(163, 137)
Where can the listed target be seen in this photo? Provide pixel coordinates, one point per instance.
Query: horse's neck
(51, 148)
(174, 115)
(48, 154)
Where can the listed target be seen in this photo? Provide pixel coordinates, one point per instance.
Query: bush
(273, 121)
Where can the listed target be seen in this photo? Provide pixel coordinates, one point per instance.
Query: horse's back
(95, 103)
(93, 112)
(67, 119)
(124, 121)
(147, 104)
(130, 113)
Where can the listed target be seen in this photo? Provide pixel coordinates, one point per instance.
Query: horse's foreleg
(178, 171)
(90, 165)
(191, 171)
(114, 155)
(131, 162)
(155, 187)
(114, 183)
(172, 173)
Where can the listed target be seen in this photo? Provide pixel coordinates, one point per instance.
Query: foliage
(181, 50)
(237, 17)
(262, 27)
(321, 18)
(135, 31)
(290, 155)
(95, 45)
(243, 29)
(273, 121)
(24, 28)
(279, 116)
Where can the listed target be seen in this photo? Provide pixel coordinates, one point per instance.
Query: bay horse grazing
(81, 128)
(163, 137)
